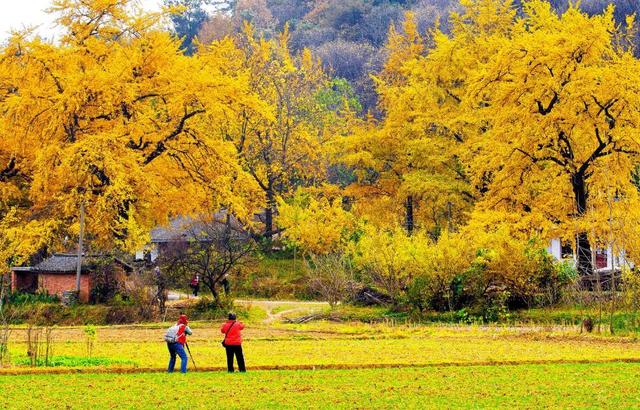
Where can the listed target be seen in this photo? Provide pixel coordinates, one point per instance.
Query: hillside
(347, 35)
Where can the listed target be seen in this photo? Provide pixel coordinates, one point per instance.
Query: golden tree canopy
(116, 117)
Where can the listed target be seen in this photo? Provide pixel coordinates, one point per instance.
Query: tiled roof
(66, 263)
(184, 228)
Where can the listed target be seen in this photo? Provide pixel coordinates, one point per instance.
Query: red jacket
(183, 329)
(234, 337)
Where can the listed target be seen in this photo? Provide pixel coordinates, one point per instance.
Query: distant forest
(347, 35)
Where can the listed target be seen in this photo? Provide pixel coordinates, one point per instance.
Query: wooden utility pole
(409, 217)
(80, 246)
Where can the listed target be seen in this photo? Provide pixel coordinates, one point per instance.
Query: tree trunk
(268, 218)
(3, 288)
(214, 292)
(583, 247)
(80, 250)
(409, 215)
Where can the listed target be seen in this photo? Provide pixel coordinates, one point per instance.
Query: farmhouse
(185, 229)
(605, 260)
(57, 274)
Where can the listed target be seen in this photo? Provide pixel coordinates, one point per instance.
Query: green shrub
(120, 315)
(208, 309)
(275, 276)
(495, 308)
(44, 314)
(419, 294)
(73, 361)
(21, 298)
(105, 282)
(504, 274)
(363, 314)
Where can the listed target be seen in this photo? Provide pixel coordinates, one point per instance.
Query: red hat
(183, 319)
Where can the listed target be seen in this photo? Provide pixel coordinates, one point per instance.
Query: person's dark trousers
(176, 349)
(196, 289)
(237, 351)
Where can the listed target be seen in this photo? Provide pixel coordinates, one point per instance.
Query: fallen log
(304, 319)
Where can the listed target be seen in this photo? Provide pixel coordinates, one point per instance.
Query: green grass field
(332, 365)
(527, 386)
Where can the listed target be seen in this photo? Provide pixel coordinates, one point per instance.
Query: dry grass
(335, 344)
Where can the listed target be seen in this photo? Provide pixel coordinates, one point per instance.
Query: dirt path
(288, 307)
(275, 309)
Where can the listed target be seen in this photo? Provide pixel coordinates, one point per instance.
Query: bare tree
(4, 290)
(212, 248)
(5, 330)
(331, 276)
(158, 279)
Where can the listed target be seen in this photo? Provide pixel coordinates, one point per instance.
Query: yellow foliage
(484, 262)
(116, 117)
(402, 47)
(317, 224)
(391, 258)
(507, 116)
(405, 161)
(280, 142)
(506, 128)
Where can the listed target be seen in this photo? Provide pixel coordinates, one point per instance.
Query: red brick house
(57, 274)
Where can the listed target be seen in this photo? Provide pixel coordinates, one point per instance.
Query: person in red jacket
(177, 348)
(195, 285)
(232, 329)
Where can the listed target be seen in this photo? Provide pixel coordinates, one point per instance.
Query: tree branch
(544, 111)
(9, 171)
(161, 145)
(535, 159)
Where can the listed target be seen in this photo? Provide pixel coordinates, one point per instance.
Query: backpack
(171, 336)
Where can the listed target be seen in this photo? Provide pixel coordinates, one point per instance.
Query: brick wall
(7, 281)
(56, 283)
(24, 281)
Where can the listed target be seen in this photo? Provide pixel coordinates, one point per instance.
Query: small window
(601, 258)
(566, 250)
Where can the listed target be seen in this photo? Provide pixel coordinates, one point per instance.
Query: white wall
(555, 248)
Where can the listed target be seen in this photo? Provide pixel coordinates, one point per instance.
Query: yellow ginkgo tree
(561, 120)
(541, 121)
(281, 143)
(115, 119)
(408, 170)
(316, 222)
